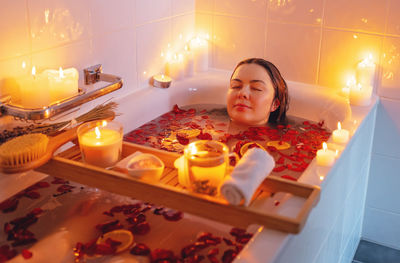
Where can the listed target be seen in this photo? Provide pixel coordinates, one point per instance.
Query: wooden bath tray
(168, 192)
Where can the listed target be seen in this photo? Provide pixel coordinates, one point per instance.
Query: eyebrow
(251, 81)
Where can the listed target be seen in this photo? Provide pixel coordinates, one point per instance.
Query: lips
(240, 105)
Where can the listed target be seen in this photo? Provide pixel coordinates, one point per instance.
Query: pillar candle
(34, 91)
(366, 72)
(199, 47)
(188, 62)
(63, 84)
(175, 67)
(360, 95)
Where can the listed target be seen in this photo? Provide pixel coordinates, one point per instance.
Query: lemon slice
(246, 147)
(279, 145)
(121, 235)
(188, 133)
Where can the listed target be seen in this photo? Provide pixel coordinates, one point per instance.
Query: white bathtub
(333, 228)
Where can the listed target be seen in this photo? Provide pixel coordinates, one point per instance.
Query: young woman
(258, 94)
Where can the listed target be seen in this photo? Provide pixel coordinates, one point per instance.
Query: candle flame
(104, 123)
(33, 71)
(60, 73)
(351, 81)
(162, 77)
(339, 126)
(23, 64)
(368, 61)
(337, 152)
(97, 131)
(321, 177)
(324, 146)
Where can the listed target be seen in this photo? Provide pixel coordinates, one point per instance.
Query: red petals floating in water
(140, 249)
(172, 215)
(26, 254)
(109, 226)
(204, 136)
(182, 140)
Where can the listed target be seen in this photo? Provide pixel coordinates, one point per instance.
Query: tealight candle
(34, 91)
(340, 135)
(360, 95)
(325, 157)
(63, 84)
(100, 142)
(161, 81)
(366, 71)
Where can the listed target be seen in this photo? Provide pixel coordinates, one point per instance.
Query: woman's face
(250, 95)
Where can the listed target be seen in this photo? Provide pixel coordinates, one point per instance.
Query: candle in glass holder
(63, 84)
(325, 157)
(101, 142)
(340, 135)
(206, 164)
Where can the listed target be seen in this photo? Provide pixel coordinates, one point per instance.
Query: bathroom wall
(125, 36)
(321, 42)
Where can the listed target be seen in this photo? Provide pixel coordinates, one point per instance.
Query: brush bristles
(23, 149)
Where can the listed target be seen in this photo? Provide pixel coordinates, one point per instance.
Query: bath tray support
(162, 194)
(92, 75)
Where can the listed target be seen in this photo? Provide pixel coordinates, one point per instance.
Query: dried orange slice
(245, 147)
(122, 235)
(188, 133)
(279, 145)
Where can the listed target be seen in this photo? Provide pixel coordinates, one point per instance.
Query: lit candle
(360, 95)
(325, 157)
(63, 84)
(189, 63)
(340, 135)
(175, 67)
(206, 164)
(101, 144)
(161, 81)
(199, 47)
(34, 91)
(366, 72)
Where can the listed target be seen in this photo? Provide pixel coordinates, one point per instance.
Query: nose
(244, 92)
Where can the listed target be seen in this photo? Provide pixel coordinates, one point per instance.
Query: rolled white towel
(246, 177)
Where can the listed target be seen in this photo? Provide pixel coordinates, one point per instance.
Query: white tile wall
(387, 139)
(384, 177)
(382, 227)
(125, 36)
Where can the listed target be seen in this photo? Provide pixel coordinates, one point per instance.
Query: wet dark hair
(280, 87)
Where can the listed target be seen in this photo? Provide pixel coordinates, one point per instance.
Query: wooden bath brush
(30, 151)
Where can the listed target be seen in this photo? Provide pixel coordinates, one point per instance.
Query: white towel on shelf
(246, 177)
